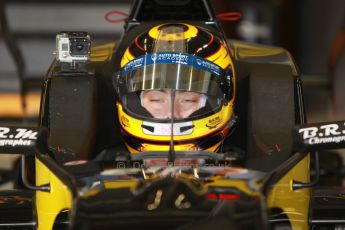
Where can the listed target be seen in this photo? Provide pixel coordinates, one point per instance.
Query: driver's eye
(189, 100)
(156, 100)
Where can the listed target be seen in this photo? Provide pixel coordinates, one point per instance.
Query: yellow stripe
(130, 149)
(150, 147)
(186, 147)
(131, 184)
(221, 57)
(127, 57)
(191, 32)
(214, 148)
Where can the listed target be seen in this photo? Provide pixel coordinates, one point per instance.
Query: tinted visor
(145, 86)
(169, 70)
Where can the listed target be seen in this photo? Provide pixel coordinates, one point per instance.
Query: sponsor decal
(173, 58)
(324, 134)
(17, 137)
(136, 63)
(204, 64)
(213, 123)
(154, 57)
(177, 58)
(124, 121)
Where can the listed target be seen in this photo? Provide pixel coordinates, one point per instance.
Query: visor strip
(173, 58)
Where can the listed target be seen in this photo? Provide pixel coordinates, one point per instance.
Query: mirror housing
(22, 140)
(319, 136)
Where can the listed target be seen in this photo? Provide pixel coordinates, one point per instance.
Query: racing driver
(176, 84)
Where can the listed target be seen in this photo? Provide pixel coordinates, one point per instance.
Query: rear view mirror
(20, 140)
(319, 136)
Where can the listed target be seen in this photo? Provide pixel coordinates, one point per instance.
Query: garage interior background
(312, 30)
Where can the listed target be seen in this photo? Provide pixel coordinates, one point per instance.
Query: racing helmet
(176, 84)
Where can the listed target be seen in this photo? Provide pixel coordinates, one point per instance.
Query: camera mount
(73, 50)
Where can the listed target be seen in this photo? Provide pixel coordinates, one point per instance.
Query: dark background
(307, 28)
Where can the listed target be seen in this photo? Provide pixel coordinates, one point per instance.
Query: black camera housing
(79, 43)
(73, 47)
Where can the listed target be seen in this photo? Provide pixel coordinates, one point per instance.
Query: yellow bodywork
(101, 53)
(294, 203)
(258, 53)
(50, 204)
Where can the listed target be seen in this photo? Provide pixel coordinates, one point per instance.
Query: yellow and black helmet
(176, 83)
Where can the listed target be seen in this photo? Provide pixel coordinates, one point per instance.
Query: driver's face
(158, 103)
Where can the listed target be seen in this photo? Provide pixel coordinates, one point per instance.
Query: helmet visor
(168, 70)
(197, 83)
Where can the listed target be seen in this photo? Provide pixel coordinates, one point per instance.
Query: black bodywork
(78, 109)
(261, 126)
